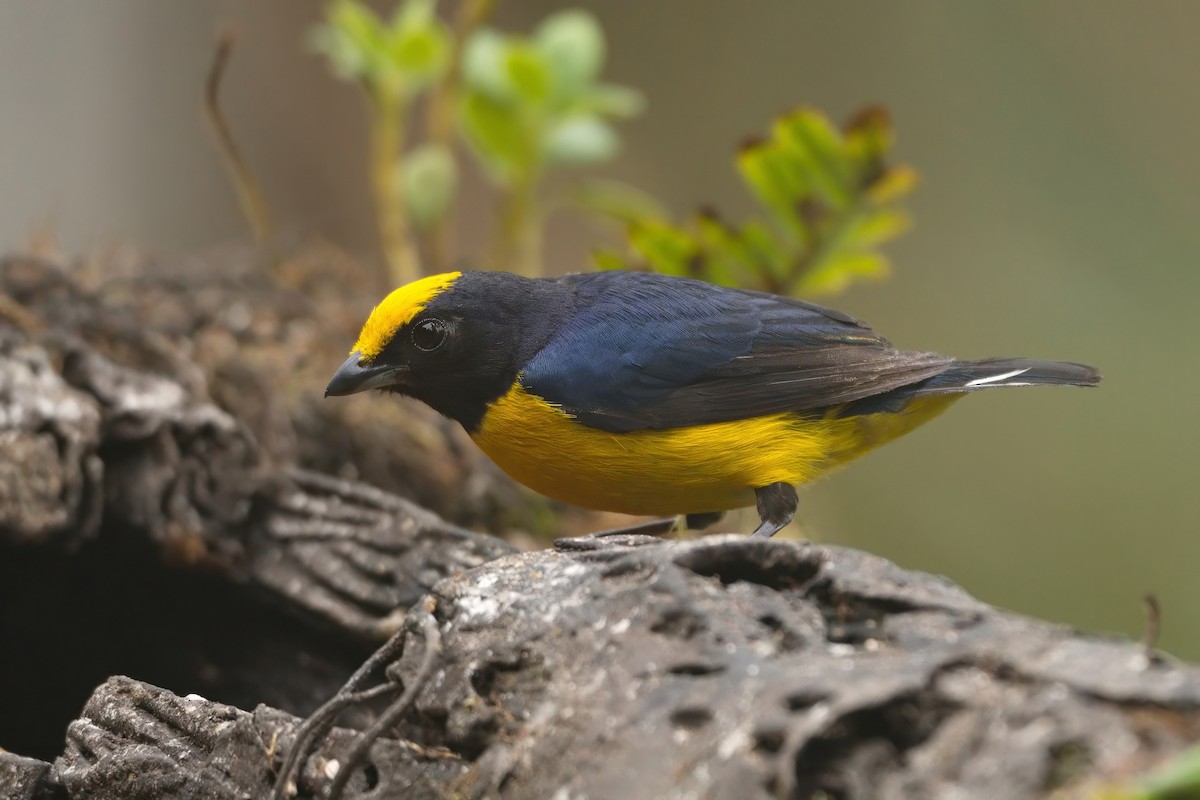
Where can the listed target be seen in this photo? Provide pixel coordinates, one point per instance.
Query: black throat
(504, 320)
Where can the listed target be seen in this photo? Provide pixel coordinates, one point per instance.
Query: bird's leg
(698, 522)
(776, 506)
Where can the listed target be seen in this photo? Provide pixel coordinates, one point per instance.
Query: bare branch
(249, 192)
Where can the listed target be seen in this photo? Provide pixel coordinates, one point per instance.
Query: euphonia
(648, 394)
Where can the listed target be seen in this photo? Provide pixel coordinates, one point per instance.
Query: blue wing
(650, 351)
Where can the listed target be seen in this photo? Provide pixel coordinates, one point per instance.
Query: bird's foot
(776, 506)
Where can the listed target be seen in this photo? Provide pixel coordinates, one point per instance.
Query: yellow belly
(714, 467)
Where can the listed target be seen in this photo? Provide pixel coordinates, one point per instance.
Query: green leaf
(776, 183)
(724, 255)
(608, 260)
(664, 247)
(420, 44)
(572, 44)
(580, 140)
(429, 175)
(422, 57)
(892, 184)
(398, 58)
(414, 14)
(815, 148)
(346, 61)
(483, 62)
(767, 256)
(361, 26)
(874, 228)
(830, 202)
(610, 100)
(528, 73)
(496, 136)
(352, 38)
(618, 200)
(836, 273)
(533, 102)
(868, 138)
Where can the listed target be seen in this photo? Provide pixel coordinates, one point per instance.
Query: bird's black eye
(429, 334)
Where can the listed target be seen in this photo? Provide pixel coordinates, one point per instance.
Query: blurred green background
(1058, 217)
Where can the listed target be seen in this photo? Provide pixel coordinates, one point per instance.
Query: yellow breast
(714, 467)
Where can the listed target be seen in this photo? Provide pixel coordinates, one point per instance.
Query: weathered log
(261, 350)
(24, 778)
(136, 741)
(135, 513)
(725, 667)
(50, 487)
(179, 472)
(143, 524)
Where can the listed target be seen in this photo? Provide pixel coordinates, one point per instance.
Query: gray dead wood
(629, 667)
(138, 515)
(89, 442)
(720, 668)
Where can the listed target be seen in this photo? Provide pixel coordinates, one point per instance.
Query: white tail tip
(996, 378)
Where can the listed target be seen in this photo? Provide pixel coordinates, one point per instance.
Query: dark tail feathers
(991, 373)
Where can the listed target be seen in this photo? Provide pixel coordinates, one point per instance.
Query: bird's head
(455, 341)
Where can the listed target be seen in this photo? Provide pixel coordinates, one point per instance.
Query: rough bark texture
(726, 667)
(261, 350)
(181, 473)
(146, 530)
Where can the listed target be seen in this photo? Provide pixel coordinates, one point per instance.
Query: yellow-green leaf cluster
(830, 201)
(400, 56)
(536, 101)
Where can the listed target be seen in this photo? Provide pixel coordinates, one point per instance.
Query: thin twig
(389, 718)
(1153, 627)
(15, 313)
(322, 719)
(249, 192)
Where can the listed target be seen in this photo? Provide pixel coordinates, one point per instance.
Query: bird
(649, 394)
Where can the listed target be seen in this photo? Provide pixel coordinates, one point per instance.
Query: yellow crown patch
(397, 310)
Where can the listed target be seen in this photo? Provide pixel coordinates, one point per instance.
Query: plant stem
(520, 246)
(439, 121)
(387, 141)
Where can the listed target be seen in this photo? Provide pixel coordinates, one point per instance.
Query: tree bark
(146, 530)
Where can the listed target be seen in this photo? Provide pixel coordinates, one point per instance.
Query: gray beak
(353, 377)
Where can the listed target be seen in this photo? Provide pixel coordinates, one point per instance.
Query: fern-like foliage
(830, 200)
